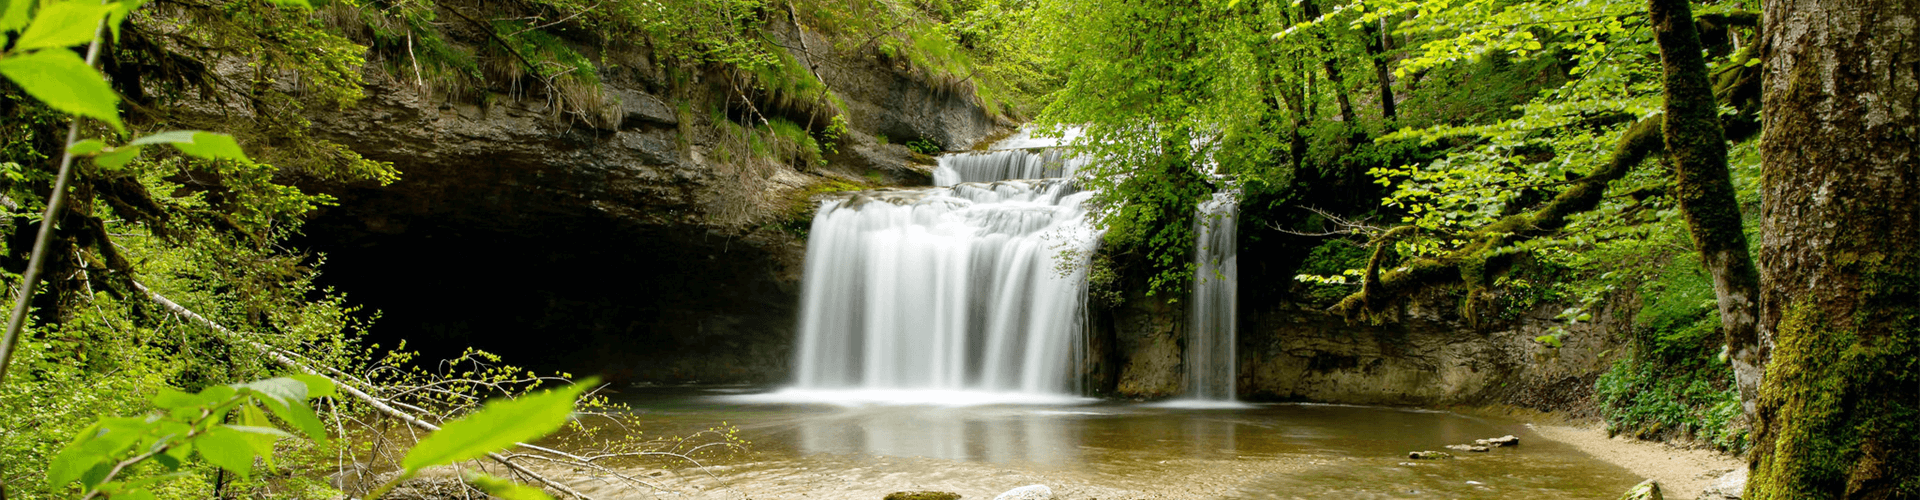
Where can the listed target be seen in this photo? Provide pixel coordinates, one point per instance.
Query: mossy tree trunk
(1698, 150)
(1839, 411)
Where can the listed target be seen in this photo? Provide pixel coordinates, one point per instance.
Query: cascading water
(911, 293)
(1212, 319)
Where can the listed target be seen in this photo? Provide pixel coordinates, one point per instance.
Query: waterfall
(951, 288)
(1211, 321)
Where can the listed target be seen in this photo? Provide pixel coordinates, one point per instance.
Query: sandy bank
(1682, 472)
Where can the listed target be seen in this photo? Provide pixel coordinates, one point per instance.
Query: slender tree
(1839, 411)
(1698, 150)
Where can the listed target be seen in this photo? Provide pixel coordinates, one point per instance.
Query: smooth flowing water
(1115, 450)
(1212, 317)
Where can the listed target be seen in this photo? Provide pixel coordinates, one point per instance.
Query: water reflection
(1324, 451)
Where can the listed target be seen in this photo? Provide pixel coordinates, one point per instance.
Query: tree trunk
(1839, 412)
(1333, 70)
(1377, 51)
(1705, 190)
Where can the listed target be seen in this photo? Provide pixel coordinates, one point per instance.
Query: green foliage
(1332, 270)
(499, 424)
(186, 426)
(923, 146)
(1650, 400)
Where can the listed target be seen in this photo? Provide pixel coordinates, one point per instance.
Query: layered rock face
(626, 250)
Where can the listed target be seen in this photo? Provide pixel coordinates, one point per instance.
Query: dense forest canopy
(1589, 155)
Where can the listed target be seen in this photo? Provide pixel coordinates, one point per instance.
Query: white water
(944, 289)
(1212, 318)
(1001, 165)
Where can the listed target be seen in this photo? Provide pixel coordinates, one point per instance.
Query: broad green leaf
(134, 494)
(169, 399)
(119, 14)
(317, 386)
(499, 424)
(301, 417)
(277, 389)
(505, 489)
(227, 449)
(86, 147)
(69, 464)
(13, 15)
(63, 24)
(66, 83)
(117, 158)
(196, 143)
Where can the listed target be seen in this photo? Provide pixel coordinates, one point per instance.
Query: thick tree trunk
(1839, 412)
(1705, 190)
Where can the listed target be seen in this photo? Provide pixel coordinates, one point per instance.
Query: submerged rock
(1030, 492)
(923, 495)
(1468, 447)
(1429, 455)
(1507, 440)
(1649, 490)
(1728, 487)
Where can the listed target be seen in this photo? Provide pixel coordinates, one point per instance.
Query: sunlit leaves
(64, 82)
(499, 424)
(187, 425)
(63, 24)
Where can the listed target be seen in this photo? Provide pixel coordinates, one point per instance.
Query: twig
(562, 20)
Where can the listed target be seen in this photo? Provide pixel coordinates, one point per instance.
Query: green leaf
(134, 494)
(60, 79)
(499, 424)
(13, 15)
(505, 489)
(227, 449)
(69, 464)
(119, 14)
(199, 144)
(281, 388)
(170, 399)
(63, 24)
(119, 157)
(86, 147)
(301, 417)
(317, 386)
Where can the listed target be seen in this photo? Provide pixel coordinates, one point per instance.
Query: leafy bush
(1649, 400)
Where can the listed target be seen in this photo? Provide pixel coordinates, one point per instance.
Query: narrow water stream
(1115, 450)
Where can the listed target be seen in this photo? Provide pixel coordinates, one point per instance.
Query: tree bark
(1704, 189)
(1332, 68)
(1839, 411)
(1377, 51)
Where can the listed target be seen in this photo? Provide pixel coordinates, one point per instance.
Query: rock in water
(1728, 487)
(1030, 492)
(1649, 490)
(1468, 447)
(923, 495)
(1507, 440)
(1429, 455)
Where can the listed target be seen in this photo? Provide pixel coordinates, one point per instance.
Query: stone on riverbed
(1649, 490)
(1429, 455)
(1727, 487)
(923, 495)
(1507, 440)
(1468, 447)
(1030, 492)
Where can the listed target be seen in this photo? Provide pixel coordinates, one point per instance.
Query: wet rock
(1728, 487)
(1429, 455)
(1649, 490)
(1468, 447)
(1030, 492)
(1507, 440)
(923, 495)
